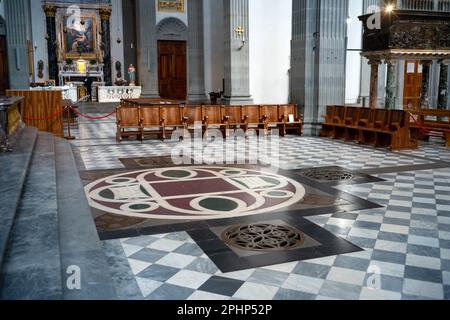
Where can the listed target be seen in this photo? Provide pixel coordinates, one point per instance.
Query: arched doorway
(4, 75)
(172, 59)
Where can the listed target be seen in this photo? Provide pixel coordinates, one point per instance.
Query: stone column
(236, 56)
(391, 83)
(52, 44)
(17, 23)
(105, 15)
(196, 78)
(147, 51)
(424, 101)
(443, 85)
(374, 64)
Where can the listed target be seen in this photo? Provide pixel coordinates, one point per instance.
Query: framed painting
(171, 5)
(79, 36)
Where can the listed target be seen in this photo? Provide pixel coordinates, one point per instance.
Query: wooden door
(413, 84)
(3, 66)
(172, 70)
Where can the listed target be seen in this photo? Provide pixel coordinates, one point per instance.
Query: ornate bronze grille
(329, 175)
(263, 237)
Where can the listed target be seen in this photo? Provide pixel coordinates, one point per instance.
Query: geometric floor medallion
(193, 193)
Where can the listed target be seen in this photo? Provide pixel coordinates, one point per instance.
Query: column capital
(105, 13)
(426, 62)
(445, 62)
(374, 62)
(392, 62)
(50, 11)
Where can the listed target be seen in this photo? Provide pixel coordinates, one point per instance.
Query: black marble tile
(222, 286)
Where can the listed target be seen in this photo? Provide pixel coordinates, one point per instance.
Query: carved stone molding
(50, 11)
(171, 29)
(105, 13)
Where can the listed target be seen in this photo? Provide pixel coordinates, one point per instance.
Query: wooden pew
(252, 118)
(214, 117)
(172, 119)
(152, 121)
(270, 116)
(423, 127)
(328, 126)
(292, 121)
(379, 127)
(192, 114)
(128, 122)
(233, 116)
(351, 123)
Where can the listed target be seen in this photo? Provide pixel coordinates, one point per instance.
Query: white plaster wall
(116, 33)
(213, 44)
(182, 16)
(270, 48)
(38, 31)
(354, 34)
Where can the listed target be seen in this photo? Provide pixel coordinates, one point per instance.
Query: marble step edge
(26, 145)
(80, 245)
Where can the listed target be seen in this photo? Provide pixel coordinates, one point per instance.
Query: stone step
(79, 240)
(32, 264)
(13, 172)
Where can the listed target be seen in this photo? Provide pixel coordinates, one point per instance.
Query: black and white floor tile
(406, 242)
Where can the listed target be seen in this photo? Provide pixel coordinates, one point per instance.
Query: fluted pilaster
(17, 23)
(318, 57)
(196, 80)
(236, 57)
(147, 51)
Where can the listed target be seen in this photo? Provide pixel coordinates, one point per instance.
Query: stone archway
(171, 36)
(171, 29)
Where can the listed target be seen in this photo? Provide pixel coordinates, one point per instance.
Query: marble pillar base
(237, 100)
(197, 97)
(312, 129)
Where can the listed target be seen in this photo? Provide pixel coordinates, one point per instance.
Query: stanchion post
(69, 136)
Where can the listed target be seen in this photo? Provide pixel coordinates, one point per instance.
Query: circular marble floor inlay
(190, 193)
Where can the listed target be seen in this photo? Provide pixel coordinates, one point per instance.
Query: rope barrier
(59, 112)
(422, 128)
(91, 117)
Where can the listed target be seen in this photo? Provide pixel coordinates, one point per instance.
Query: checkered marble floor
(406, 243)
(406, 254)
(98, 149)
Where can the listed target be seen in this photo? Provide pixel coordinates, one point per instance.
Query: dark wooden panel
(413, 84)
(172, 70)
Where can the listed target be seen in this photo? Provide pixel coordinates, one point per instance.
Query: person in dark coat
(88, 84)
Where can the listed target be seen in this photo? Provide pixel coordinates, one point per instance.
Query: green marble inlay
(107, 193)
(176, 174)
(276, 194)
(120, 180)
(232, 172)
(140, 206)
(218, 204)
(144, 191)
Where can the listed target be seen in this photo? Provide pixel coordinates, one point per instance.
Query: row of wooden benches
(136, 119)
(431, 122)
(378, 127)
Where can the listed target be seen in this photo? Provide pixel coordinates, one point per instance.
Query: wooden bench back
(351, 115)
(252, 114)
(285, 110)
(381, 118)
(270, 112)
(172, 115)
(151, 116)
(397, 117)
(193, 113)
(128, 116)
(234, 114)
(339, 114)
(213, 113)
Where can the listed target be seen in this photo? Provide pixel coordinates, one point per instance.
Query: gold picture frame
(172, 5)
(79, 36)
